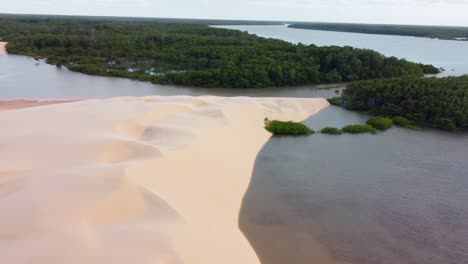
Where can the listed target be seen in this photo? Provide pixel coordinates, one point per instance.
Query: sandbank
(16, 104)
(133, 180)
(3, 50)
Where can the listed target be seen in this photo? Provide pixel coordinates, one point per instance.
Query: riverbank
(18, 104)
(133, 180)
(3, 50)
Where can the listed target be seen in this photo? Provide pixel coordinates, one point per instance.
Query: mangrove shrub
(359, 129)
(331, 131)
(287, 128)
(380, 122)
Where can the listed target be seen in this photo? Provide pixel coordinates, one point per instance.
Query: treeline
(192, 55)
(439, 103)
(193, 21)
(440, 32)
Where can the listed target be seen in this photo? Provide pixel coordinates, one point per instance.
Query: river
(397, 197)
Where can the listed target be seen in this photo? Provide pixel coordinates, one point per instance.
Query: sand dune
(132, 180)
(3, 48)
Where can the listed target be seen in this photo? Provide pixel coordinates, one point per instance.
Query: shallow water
(397, 197)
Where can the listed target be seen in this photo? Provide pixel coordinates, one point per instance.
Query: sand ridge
(133, 180)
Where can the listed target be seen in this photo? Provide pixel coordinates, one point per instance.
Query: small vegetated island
(331, 131)
(287, 128)
(176, 52)
(411, 102)
(440, 32)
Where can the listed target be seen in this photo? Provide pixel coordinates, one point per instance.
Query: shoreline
(168, 173)
(19, 104)
(3, 50)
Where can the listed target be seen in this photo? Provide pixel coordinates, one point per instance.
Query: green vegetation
(430, 69)
(440, 32)
(331, 131)
(380, 122)
(432, 102)
(359, 129)
(403, 122)
(335, 101)
(174, 52)
(287, 128)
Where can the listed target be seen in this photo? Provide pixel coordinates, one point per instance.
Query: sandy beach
(133, 180)
(3, 48)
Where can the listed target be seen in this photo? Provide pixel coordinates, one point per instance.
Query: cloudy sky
(434, 12)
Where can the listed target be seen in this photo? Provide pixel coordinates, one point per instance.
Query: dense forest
(439, 103)
(440, 32)
(166, 52)
(193, 21)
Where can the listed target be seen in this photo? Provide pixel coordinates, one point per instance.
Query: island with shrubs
(277, 127)
(190, 53)
(373, 126)
(331, 131)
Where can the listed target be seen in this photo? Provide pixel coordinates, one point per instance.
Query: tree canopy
(191, 54)
(439, 103)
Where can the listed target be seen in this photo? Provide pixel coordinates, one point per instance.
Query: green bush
(359, 129)
(335, 101)
(403, 122)
(445, 124)
(331, 131)
(287, 128)
(380, 122)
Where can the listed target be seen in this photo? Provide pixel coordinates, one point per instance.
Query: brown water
(397, 197)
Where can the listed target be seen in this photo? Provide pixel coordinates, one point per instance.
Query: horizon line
(224, 19)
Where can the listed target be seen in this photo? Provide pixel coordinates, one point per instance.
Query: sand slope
(132, 180)
(3, 48)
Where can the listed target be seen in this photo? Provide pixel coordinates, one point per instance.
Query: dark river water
(399, 197)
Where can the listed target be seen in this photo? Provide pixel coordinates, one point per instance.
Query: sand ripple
(132, 180)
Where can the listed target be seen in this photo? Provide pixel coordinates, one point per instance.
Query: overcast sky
(433, 12)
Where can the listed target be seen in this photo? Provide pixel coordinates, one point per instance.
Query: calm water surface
(449, 54)
(397, 197)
